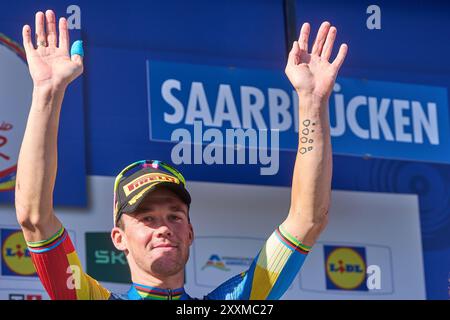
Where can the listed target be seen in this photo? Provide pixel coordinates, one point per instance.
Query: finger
(337, 63)
(77, 52)
(304, 37)
(26, 37)
(320, 38)
(51, 28)
(328, 46)
(63, 35)
(293, 57)
(41, 38)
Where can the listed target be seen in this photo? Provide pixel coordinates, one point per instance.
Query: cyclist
(151, 203)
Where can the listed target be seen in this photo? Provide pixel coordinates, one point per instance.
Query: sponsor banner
(16, 258)
(349, 268)
(104, 261)
(216, 258)
(375, 118)
(345, 268)
(16, 88)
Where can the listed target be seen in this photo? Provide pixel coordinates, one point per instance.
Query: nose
(163, 231)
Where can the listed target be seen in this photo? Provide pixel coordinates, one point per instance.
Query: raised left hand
(312, 73)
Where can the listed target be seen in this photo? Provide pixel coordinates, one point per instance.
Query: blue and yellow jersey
(269, 276)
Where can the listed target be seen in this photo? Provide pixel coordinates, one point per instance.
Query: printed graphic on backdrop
(23, 294)
(216, 263)
(14, 107)
(16, 88)
(349, 268)
(189, 103)
(345, 268)
(104, 261)
(16, 259)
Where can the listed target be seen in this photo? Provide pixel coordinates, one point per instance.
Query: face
(157, 236)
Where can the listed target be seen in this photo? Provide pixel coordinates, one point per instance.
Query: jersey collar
(141, 292)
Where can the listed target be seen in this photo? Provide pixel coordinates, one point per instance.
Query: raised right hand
(50, 64)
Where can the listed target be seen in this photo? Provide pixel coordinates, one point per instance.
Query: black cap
(131, 190)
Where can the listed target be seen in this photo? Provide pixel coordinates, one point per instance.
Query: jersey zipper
(170, 295)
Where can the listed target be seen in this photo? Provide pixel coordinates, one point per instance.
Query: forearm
(37, 164)
(311, 182)
(313, 76)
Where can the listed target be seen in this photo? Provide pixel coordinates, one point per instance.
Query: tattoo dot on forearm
(305, 140)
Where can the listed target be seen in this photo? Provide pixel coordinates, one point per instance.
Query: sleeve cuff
(291, 241)
(48, 244)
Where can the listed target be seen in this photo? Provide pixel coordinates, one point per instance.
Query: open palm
(312, 72)
(50, 63)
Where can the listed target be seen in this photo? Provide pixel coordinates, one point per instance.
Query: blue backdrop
(119, 36)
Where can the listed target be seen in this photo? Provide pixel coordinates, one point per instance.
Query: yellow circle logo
(346, 268)
(16, 256)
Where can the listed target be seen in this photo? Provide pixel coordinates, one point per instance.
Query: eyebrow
(149, 207)
(177, 207)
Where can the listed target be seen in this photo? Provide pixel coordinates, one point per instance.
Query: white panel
(233, 221)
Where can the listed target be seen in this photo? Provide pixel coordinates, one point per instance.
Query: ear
(119, 239)
(191, 234)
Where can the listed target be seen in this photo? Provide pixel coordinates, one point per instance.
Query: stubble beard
(170, 265)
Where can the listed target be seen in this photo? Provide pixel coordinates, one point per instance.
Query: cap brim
(178, 189)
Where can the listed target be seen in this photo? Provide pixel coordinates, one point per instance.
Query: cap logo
(146, 179)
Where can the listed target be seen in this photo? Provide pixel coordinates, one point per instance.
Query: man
(151, 204)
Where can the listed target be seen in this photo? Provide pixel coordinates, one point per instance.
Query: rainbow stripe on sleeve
(60, 271)
(49, 244)
(290, 241)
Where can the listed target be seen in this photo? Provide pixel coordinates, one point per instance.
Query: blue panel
(411, 47)
(70, 187)
(414, 124)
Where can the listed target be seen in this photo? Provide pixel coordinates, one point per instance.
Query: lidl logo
(345, 268)
(16, 259)
(215, 262)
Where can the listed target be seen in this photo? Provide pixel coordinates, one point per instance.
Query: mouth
(165, 246)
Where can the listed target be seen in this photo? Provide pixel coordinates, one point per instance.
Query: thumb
(77, 53)
(293, 54)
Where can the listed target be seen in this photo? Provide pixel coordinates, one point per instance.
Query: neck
(145, 278)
